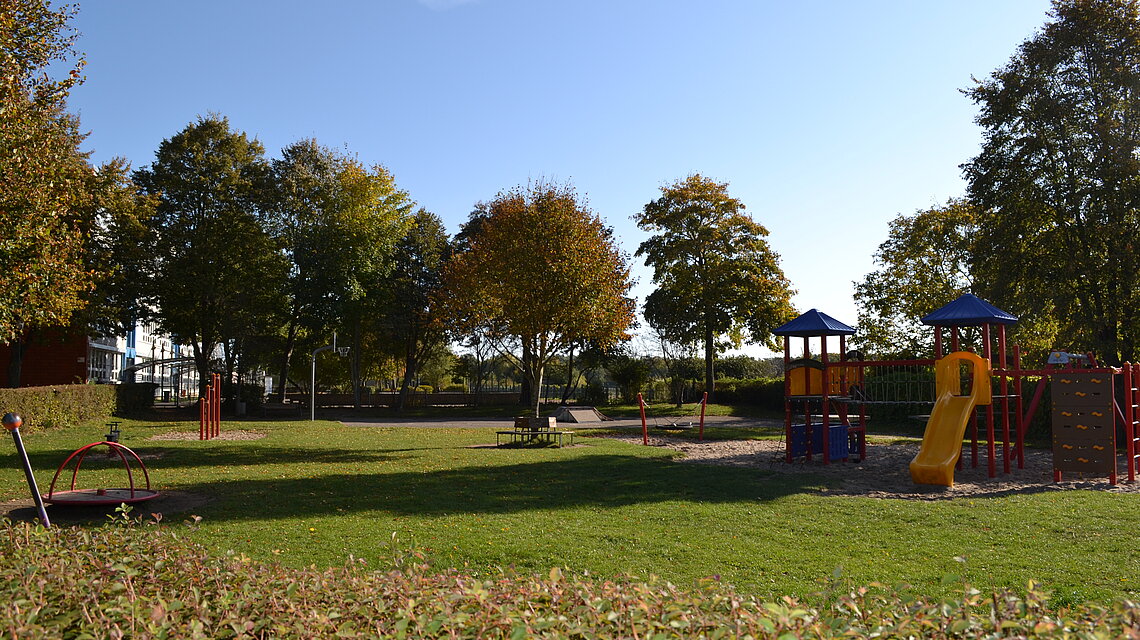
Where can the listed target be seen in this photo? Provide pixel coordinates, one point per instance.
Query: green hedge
(60, 406)
(126, 581)
(763, 392)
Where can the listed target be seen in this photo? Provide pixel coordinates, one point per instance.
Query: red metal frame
(210, 409)
(136, 495)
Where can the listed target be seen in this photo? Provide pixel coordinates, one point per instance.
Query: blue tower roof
(968, 310)
(812, 324)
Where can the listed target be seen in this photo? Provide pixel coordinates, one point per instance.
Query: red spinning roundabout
(98, 497)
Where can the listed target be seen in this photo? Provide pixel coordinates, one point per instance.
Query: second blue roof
(968, 310)
(814, 323)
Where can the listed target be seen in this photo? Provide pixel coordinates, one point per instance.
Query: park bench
(534, 430)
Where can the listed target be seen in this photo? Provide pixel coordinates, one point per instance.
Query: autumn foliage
(540, 271)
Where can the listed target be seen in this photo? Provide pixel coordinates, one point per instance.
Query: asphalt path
(504, 423)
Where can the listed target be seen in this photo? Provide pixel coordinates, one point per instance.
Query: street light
(313, 379)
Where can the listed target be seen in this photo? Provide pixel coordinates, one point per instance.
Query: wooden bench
(534, 430)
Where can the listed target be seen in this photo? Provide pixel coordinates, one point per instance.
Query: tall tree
(44, 177)
(302, 201)
(372, 215)
(409, 316)
(925, 263)
(212, 250)
(1059, 177)
(718, 281)
(540, 272)
(336, 222)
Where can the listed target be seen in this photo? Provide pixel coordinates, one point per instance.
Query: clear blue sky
(827, 118)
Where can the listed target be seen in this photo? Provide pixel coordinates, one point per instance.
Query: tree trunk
(536, 390)
(16, 360)
(710, 352)
(355, 363)
(405, 385)
(290, 344)
(569, 377)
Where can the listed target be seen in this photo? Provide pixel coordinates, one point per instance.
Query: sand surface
(885, 473)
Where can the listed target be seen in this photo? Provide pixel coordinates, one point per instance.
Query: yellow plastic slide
(942, 441)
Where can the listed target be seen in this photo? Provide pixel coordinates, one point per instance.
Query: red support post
(644, 426)
(1017, 390)
(704, 404)
(825, 408)
(203, 400)
(1008, 450)
(991, 446)
(217, 404)
(787, 400)
(1129, 416)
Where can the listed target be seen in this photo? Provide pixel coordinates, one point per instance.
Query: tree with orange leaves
(538, 271)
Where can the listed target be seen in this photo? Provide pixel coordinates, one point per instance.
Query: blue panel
(812, 324)
(968, 310)
(837, 441)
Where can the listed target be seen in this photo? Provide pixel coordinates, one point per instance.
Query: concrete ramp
(578, 414)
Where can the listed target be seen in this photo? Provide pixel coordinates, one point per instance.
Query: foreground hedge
(148, 583)
(59, 406)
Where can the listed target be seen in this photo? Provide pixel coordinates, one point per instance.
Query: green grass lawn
(316, 493)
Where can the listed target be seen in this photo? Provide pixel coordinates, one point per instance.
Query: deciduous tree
(44, 177)
(1059, 177)
(924, 263)
(214, 259)
(408, 317)
(541, 271)
(718, 281)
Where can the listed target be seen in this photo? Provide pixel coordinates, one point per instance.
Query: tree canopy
(215, 264)
(718, 281)
(925, 263)
(44, 177)
(539, 271)
(1058, 178)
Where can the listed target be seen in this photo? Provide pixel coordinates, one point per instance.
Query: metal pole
(12, 423)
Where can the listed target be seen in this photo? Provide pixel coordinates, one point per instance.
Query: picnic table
(534, 430)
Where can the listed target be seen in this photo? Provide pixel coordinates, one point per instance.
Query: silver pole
(12, 423)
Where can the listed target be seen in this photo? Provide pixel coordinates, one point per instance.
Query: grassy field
(316, 493)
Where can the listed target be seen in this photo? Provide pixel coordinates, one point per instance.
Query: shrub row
(64, 405)
(763, 392)
(149, 583)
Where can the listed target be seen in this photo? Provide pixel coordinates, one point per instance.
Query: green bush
(424, 388)
(60, 406)
(125, 581)
(763, 392)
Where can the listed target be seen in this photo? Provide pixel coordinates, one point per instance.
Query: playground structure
(210, 409)
(100, 497)
(833, 398)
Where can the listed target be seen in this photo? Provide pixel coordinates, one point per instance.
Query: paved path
(502, 423)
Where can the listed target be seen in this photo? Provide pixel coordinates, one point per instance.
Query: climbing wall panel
(1083, 424)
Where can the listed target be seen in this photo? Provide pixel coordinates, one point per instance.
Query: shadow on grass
(161, 457)
(596, 481)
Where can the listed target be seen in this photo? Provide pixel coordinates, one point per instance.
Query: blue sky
(827, 118)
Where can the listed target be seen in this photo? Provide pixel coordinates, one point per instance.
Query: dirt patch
(230, 434)
(171, 504)
(885, 473)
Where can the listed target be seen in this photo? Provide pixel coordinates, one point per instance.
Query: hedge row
(148, 583)
(64, 405)
(763, 392)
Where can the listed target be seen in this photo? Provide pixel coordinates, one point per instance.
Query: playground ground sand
(886, 472)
